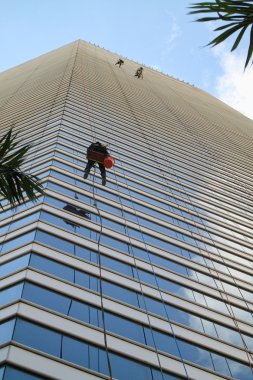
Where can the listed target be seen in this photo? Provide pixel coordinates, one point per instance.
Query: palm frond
(236, 15)
(14, 183)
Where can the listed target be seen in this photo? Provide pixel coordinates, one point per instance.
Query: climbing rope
(138, 278)
(141, 288)
(99, 254)
(169, 321)
(100, 278)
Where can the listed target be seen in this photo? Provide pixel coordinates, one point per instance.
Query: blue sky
(158, 33)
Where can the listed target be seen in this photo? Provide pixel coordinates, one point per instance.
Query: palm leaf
(223, 36)
(239, 37)
(14, 183)
(236, 15)
(250, 50)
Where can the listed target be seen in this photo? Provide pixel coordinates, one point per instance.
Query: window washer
(92, 151)
(119, 62)
(139, 73)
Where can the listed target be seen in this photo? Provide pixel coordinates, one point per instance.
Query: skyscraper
(150, 276)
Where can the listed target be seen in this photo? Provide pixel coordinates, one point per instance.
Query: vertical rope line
(139, 280)
(157, 284)
(100, 279)
(138, 277)
(141, 130)
(93, 130)
(159, 363)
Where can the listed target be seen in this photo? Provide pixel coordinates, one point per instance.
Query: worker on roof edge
(139, 73)
(119, 62)
(100, 148)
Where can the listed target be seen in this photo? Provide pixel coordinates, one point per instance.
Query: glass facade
(150, 276)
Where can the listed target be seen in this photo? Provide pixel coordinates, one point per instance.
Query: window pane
(52, 267)
(38, 337)
(17, 374)
(12, 266)
(46, 298)
(17, 242)
(6, 331)
(10, 294)
(125, 327)
(75, 351)
(125, 369)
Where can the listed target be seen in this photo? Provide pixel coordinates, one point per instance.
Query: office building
(148, 277)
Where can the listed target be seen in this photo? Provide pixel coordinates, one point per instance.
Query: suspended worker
(139, 73)
(94, 148)
(119, 62)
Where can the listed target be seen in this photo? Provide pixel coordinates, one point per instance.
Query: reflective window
(6, 330)
(79, 352)
(38, 337)
(52, 267)
(114, 243)
(125, 369)
(130, 297)
(10, 294)
(118, 266)
(23, 206)
(17, 242)
(66, 246)
(13, 265)
(46, 298)
(22, 222)
(12, 373)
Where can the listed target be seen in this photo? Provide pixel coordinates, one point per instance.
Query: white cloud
(174, 31)
(234, 85)
(156, 67)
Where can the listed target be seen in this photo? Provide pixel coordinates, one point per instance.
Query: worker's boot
(103, 181)
(85, 174)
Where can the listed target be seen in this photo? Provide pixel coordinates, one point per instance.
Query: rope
(100, 277)
(99, 259)
(171, 327)
(139, 280)
(95, 203)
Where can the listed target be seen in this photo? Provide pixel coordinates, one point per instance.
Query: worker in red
(94, 148)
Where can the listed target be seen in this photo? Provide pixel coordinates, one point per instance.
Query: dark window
(118, 266)
(38, 337)
(86, 280)
(46, 298)
(125, 327)
(125, 369)
(120, 293)
(52, 267)
(114, 243)
(54, 241)
(12, 373)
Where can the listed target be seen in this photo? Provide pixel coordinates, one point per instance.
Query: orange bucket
(109, 162)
